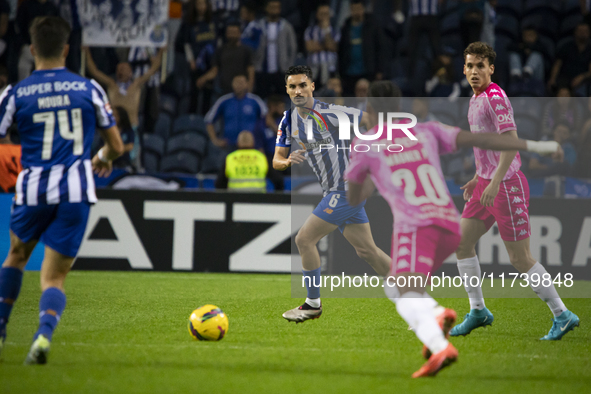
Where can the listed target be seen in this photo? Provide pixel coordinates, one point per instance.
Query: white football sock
(313, 302)
(418, 313)
(391, 290)
(434, 305)
(471, 267)
(548, 294)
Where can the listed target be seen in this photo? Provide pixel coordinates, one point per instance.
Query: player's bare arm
(360, 191)
(102, 162)
(507, 142)
(282, 159)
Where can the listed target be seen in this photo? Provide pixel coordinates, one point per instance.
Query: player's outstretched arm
(493, 141)
(282, 160)
(358, 192)
(102, 162)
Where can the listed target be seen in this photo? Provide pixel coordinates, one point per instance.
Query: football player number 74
(74, 134)
(435, 191)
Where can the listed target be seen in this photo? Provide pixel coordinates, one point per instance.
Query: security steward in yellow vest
(245, 169)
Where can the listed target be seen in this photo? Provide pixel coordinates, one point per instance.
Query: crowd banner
(123, 23)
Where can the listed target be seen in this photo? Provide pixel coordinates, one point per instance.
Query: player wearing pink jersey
(426, 221)
(499, 192)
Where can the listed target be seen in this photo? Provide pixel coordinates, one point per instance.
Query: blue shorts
(60, 226)
(335, 209)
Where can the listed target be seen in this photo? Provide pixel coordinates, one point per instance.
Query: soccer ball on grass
(208, 323)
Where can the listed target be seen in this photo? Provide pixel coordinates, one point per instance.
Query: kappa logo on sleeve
(500, 107)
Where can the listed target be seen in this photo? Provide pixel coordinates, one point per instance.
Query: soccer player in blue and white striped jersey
(56, 112)
(329, 166)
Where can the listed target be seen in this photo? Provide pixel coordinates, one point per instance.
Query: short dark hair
(481, 49)
(384, 89)
(296, 70)
(49, 35)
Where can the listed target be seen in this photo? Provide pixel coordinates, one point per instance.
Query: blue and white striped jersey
(329, 165)
(56, 112)
(424, 7)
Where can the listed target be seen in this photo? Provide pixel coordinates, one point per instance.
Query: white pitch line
(196, 277)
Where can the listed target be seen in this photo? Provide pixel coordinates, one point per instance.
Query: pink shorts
(422, 251)
(509, 209)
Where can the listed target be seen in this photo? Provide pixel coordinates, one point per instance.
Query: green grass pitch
(126, 332)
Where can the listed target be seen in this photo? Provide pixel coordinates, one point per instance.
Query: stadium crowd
(222, 51)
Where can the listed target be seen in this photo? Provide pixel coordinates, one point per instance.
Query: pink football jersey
(411, 180)
(491, 112)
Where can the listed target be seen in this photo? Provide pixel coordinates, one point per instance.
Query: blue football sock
(313, 281)
(10, 284)
(51, 307)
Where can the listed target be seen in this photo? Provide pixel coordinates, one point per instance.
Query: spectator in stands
(4, 13)
(361, 92)
(573, 62)
(586, 11)
(561, 110)
(443, 82)
(252, 30)
(472, 20)
(525, 57)
(583, 164)
(540, 166)
(321, 45)
(245, 169)
(585, 130)
(139, 59)
(276, 52)
(489, 21)
(27, 11)
(239, 110)
(127, 136)
(361, 48)
(10, 164)
(230, 60)
(125, 91)
(332, 92)
(224, 12)
(268, 137)
(420, 109)
(197, 40)
(276, 106)
(3, 77)
(424, 19)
